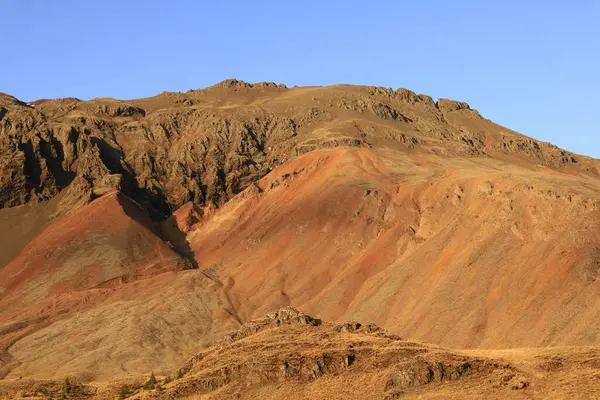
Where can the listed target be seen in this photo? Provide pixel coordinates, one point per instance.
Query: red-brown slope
(98, 245)
(97, 293)
(20, 225)
(463, 253)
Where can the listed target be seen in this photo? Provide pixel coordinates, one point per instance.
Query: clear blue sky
(533, 66)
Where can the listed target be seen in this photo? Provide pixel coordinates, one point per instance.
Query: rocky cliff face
(207, 145)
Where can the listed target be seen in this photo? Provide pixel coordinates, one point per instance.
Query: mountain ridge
(89, 143)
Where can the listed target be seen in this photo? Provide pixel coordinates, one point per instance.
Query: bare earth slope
(136, 232)
(458, 252)
(98, 293)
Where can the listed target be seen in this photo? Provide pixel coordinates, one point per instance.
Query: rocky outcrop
(237, 84)
(446, 105)
(176, 148)
(290, 348)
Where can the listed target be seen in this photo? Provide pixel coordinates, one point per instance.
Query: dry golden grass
(283, 357)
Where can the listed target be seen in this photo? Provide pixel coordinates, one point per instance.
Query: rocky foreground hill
(135, 233)
(287, 354)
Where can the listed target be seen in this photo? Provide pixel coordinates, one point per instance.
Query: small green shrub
(66, 386)
(151, 384)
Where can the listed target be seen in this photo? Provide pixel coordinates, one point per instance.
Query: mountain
(135, 233)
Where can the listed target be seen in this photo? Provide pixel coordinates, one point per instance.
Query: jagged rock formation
(205, 146)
